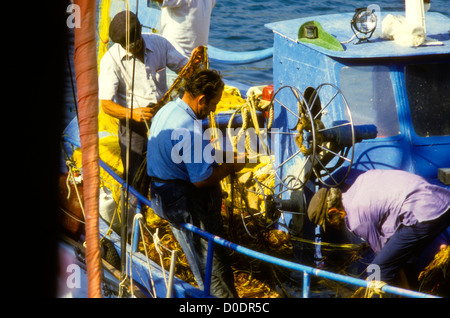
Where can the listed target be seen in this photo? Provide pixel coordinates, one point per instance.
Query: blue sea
(238, 25)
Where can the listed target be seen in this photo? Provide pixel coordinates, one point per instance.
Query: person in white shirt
(186, 22)
(154, 54)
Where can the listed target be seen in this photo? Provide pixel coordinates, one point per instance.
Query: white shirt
(186, 22)
(116, 68)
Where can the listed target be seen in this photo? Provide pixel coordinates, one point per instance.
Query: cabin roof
(338, 25)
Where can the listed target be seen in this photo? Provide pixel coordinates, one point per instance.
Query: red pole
(85, 61)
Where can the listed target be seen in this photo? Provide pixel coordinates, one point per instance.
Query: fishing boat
(361, 100)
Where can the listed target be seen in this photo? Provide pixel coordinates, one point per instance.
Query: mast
(85, 60)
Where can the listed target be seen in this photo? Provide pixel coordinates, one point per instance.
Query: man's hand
(239, 162)
(236, 161)
(220, 172)
(143, 114)
(139, 114)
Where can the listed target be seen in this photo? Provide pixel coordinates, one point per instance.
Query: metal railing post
(306, 284)
(209, 265)
(136, 227)
(123, 243)
(307, 271)
(299, 267)
(173, 259)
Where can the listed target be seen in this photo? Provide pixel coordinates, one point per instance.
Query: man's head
(125, 29)
(203, 90)
(326, 208)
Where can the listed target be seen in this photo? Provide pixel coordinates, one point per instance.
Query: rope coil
(374, 287)
(305, 124)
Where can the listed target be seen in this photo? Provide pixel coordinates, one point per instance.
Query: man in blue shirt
(186, 177)
(396, 212)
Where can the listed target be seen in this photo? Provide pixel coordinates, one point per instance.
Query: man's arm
(115, 110)
(225, 169)
(220, 172)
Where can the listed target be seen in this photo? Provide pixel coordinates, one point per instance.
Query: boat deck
(338, 25)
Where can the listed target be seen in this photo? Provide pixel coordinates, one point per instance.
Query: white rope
(250, 106)
(138, 218)
(70, 175)
(374, 287)
(157, 242)
(158, 246)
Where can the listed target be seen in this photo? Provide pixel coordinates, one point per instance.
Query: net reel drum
(313, 149)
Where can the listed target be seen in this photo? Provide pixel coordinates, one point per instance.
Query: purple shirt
(381, 200)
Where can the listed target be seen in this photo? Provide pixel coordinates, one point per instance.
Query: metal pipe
(136, 227)
(209, 265)
(173, 259)
(267, 258)
(133, 191)
(306, 284)
(123, 242)
(302, 268)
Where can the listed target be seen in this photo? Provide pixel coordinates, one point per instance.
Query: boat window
(370, 96)
(428, 89)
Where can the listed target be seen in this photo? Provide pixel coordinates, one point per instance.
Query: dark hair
(204, 82)
(118, 28)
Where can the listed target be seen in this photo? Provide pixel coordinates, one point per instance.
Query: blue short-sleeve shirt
(177, 147)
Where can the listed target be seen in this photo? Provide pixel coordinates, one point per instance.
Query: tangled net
(253, 278)
(198, 61)
(435, 278)
(242, 211)
(245, 213)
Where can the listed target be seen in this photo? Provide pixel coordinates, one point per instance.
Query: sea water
(238, 25)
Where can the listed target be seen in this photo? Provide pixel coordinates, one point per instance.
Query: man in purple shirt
(397, 213)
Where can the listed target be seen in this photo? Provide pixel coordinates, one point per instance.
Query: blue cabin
(381, 106)
(403, 91)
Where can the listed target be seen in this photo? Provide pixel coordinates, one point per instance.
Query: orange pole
(85, 61)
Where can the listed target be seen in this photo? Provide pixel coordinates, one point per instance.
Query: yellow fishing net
(435, 278)
(243, 208)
